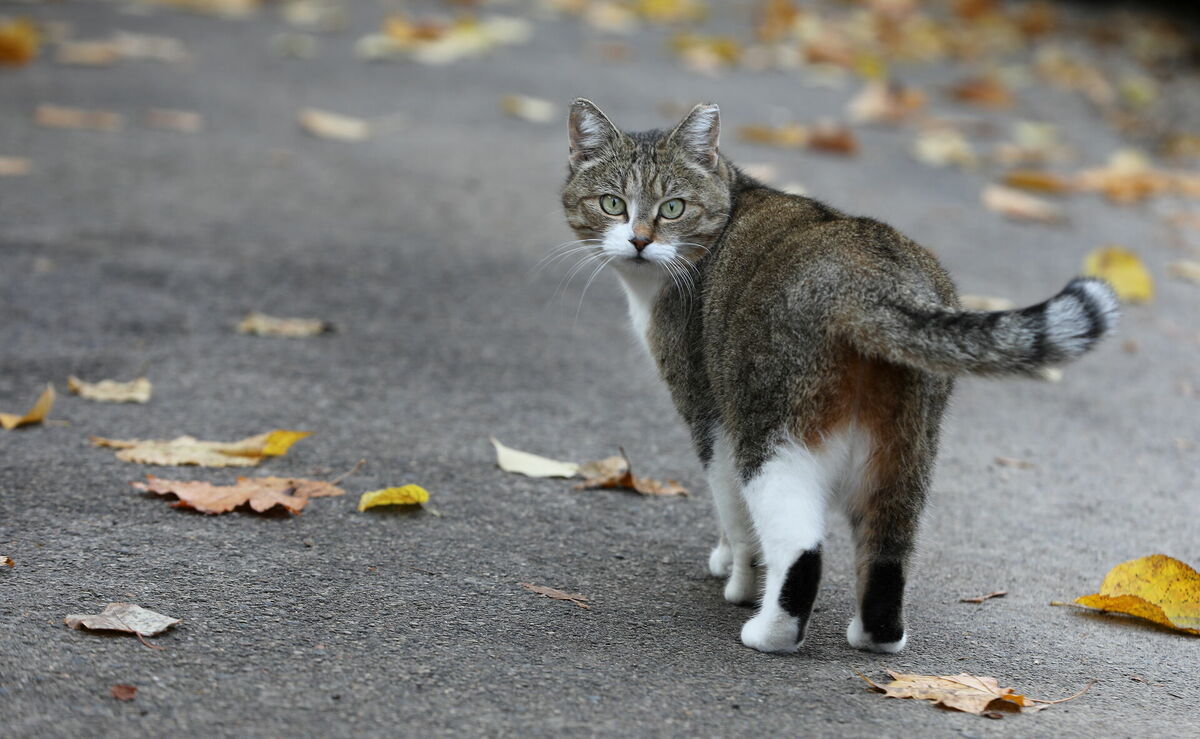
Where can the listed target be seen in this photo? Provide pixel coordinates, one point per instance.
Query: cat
(811, 354)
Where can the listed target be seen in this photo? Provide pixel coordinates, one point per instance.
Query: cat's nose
(639, 243)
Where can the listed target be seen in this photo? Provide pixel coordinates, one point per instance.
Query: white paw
(859, 640)
(720, 560)
(772, 633)
(742, 586)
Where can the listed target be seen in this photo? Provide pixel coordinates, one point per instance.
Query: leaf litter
(186, 450)
(261, 494)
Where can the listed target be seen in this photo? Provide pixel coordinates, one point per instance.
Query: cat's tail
(1022, 341)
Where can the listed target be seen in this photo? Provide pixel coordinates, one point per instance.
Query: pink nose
(639, 243)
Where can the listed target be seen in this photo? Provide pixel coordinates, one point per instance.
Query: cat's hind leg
(733, 557)
(786, 498)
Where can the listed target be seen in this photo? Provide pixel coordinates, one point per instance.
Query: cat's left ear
(698, 134)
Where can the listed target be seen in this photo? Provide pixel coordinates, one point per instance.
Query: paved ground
(136, 251)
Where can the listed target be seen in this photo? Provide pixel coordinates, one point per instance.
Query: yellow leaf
(19, 41)
(111, 391)
(531, 465)
(186, 450)
(1157, 588)
(36, 414)
(1123, 270)
(404, 495)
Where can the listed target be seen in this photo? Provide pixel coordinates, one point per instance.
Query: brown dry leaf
(15, 166)
(1157, 588)
(1129, 177)
(987, 91)
(7, 562)
(183, 121)
(1020, 206)
(438, 41)
(1019, 464)
(88, 53)
(60, 116)
(125, 617)
(36, 414)
(789, 136)
(706, 54)
(19, 41)
(1038, 181)
(833, 138)
(185, 450)
(111, 391)
(982, 598)
(260, 324)
(576, 598)
(616, 473)
(260, 493)
(534, 110)
(123, 692)
(888, 102)
(985, 302)
(963, 692)
(327, 125)
(1185, 269)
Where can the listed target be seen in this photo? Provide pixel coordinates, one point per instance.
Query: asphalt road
(136, 252)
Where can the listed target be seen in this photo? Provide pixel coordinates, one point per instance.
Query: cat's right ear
(588, 130)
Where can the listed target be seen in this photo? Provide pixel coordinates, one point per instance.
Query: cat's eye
(612, 205)
(671, 209)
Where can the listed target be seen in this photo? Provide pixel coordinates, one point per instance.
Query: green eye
(612, 205)
(671, 209)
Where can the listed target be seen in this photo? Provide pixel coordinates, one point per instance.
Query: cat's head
(650, 200)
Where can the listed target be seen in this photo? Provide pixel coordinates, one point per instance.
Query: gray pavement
(418, 244)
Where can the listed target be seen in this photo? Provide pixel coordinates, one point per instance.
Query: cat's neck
(642, 286)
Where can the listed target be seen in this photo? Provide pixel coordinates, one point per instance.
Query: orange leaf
(19, 41)
(1038, 181)
(261, 493)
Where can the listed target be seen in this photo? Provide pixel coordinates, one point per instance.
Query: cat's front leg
(786, 500)
(733, 557)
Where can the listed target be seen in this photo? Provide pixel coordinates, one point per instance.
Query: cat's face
(646, 201)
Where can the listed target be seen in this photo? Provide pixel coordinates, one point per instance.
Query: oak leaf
(531, 465)
(1123, 270)
(111, 391)
(260, 324)
(36, 414)
(260, 493)
(186, 450)
(556, 594)
(1157, 588)
(403, 495)
(125, 617)
(616, 473)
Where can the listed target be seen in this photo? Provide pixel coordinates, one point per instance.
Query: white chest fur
(642, 286)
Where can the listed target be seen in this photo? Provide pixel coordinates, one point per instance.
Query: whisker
(586, 285)
(550, 259)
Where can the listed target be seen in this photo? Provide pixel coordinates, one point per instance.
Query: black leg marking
(883, 602)
(800, 587)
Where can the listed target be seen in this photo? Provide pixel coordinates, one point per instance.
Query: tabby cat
(810, 352)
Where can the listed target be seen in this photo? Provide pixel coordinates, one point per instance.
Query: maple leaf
(616, 473)
(531, 465)
(1123, 270)
(36, 414)
(123, 692)
(403, 495)
(556, 594)
(1020, 206)
(19, 41)
(260, 493)
(1156, 588)
(186, 450)
(125, 617)
(260, 324)
(111, 391)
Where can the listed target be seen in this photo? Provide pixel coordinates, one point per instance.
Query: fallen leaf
(186, 450)
(15, 166)
(556, 594)
(833, 138)
(1019, 464)
(982, 598)
(111, 391)
(36, 414)
(60, 116)
(1130, 177)
(886, 102)
(260, 324)
(183, 121)
(125, 617)
(7, 562)
(123, 692)
(1020, 206)
(87, 53)
(260, 493)
(1031, 179)
(534, 110)
(985, 302)
(1157, 588)
(19, 41)
(220, 8)
(615, 473)
(438, 41)
(327, 125)
(761, 171)
(531, 465)
(1123, 270)
(987, 91)
(944, 147)
(963, 692)
(788, 136)
(403, 495)
(142, 46)
(1185, 269)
